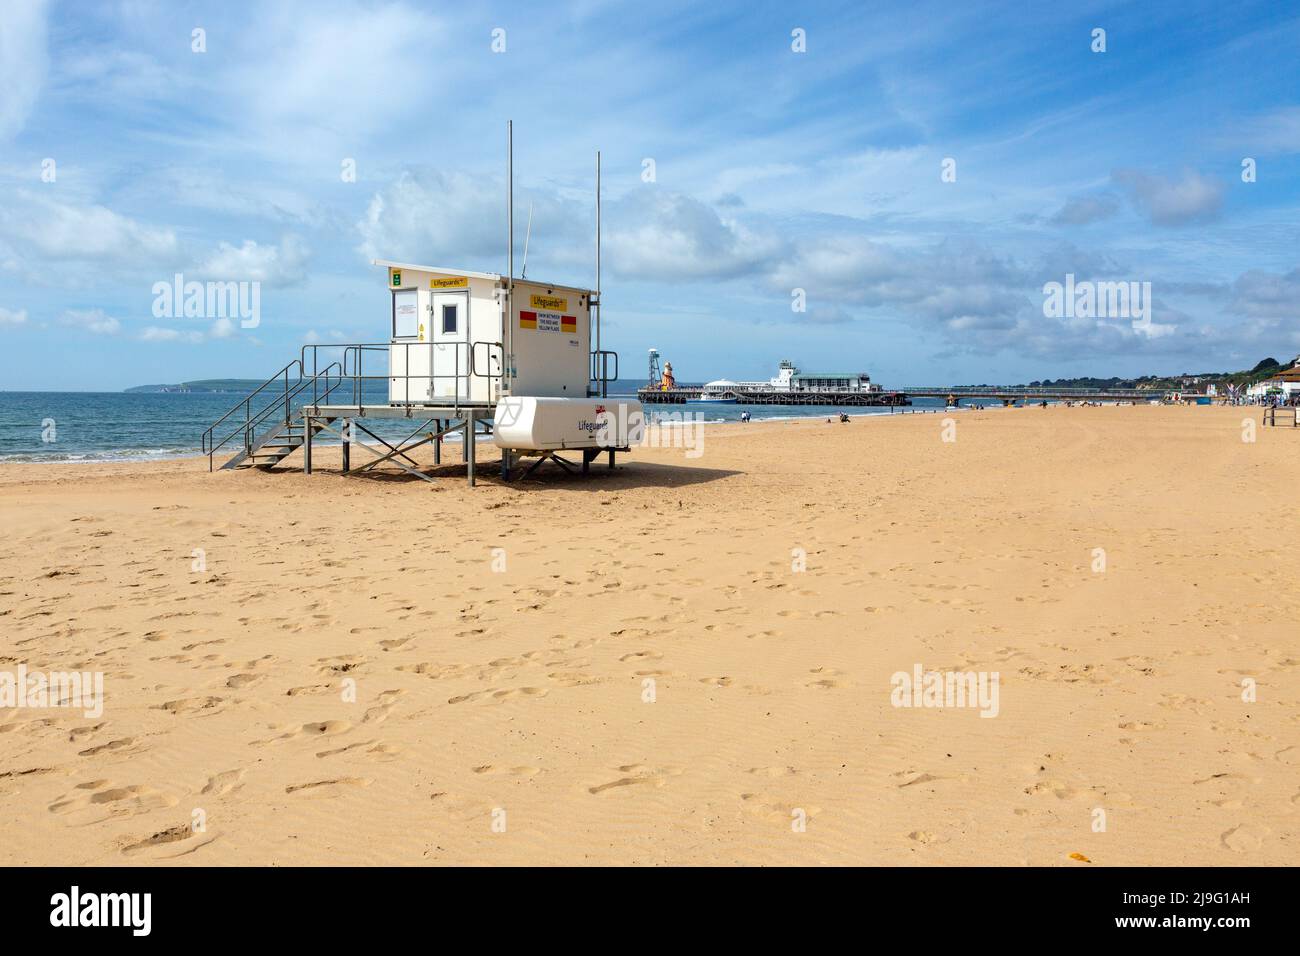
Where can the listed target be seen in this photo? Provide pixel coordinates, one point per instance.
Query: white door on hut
(450, 324)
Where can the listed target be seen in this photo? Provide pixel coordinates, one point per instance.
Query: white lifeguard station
(448, 335)
(475, 354)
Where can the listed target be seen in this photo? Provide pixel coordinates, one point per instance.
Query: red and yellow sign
(548, 321)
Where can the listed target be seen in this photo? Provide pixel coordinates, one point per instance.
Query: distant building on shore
(1285, 385)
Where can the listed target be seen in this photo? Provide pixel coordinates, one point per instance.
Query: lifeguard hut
(476, 354)
(447, 324)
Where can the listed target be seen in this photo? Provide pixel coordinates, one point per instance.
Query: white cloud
(94, 321)
(1192, 199)
(8, 317)
(649, 233)
(1086, 209)
(971, 297)
(113, 72)
(428, 217)
(64, 232)
(1275, 132)
(23, 62)
(273, 265)
(659, 235)
(317, 79)
(156, 333)
(1263, 294)
(222, 329)
(247, 195)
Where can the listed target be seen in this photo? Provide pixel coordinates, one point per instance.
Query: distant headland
(207, 386)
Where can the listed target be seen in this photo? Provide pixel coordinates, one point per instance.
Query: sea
(137, 426)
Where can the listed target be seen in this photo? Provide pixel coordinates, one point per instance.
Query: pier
(680, 395)
(1010, 394)
(954, 394)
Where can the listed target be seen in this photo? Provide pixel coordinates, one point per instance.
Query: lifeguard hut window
(406, 314)
(449, 319)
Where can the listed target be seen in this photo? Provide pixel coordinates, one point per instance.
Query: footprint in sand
(342, 664)
(466, 698)
(1140, 725)
(75, 735)
(322, 728)
(774, 809)
(460, 807)
(435, 671)
(329, 788)
(101, 798)
(917, 779)
(631, 632)
(510, 693)
(220, 784)
(773, 771)
(1246, 838)
(640, 656)
(1056, 788)
(636, 775)
(197, 644)
(190, 705)
(170, 843)
(524, 771)
(1180, 701)
(574, 678)
(379, 712)
(501, 695)
(825, 677)
(122, 744)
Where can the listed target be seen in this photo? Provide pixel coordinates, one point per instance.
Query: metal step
(288, 446)
(275, 447)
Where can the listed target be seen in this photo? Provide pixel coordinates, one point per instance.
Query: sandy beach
(642, 675)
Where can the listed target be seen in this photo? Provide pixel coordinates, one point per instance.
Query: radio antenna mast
(509, 322)
(600, 358)
(523, 273)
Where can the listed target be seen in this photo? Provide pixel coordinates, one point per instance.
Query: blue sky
(774, 170)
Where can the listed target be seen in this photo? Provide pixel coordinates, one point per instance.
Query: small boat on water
(719, 392)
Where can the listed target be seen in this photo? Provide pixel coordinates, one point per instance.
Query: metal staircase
(271, 427)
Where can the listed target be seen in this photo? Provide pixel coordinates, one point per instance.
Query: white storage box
(550, 424)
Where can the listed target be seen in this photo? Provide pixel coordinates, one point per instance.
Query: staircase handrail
(283, 400)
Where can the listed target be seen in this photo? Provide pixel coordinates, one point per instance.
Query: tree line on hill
(1264, 369)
